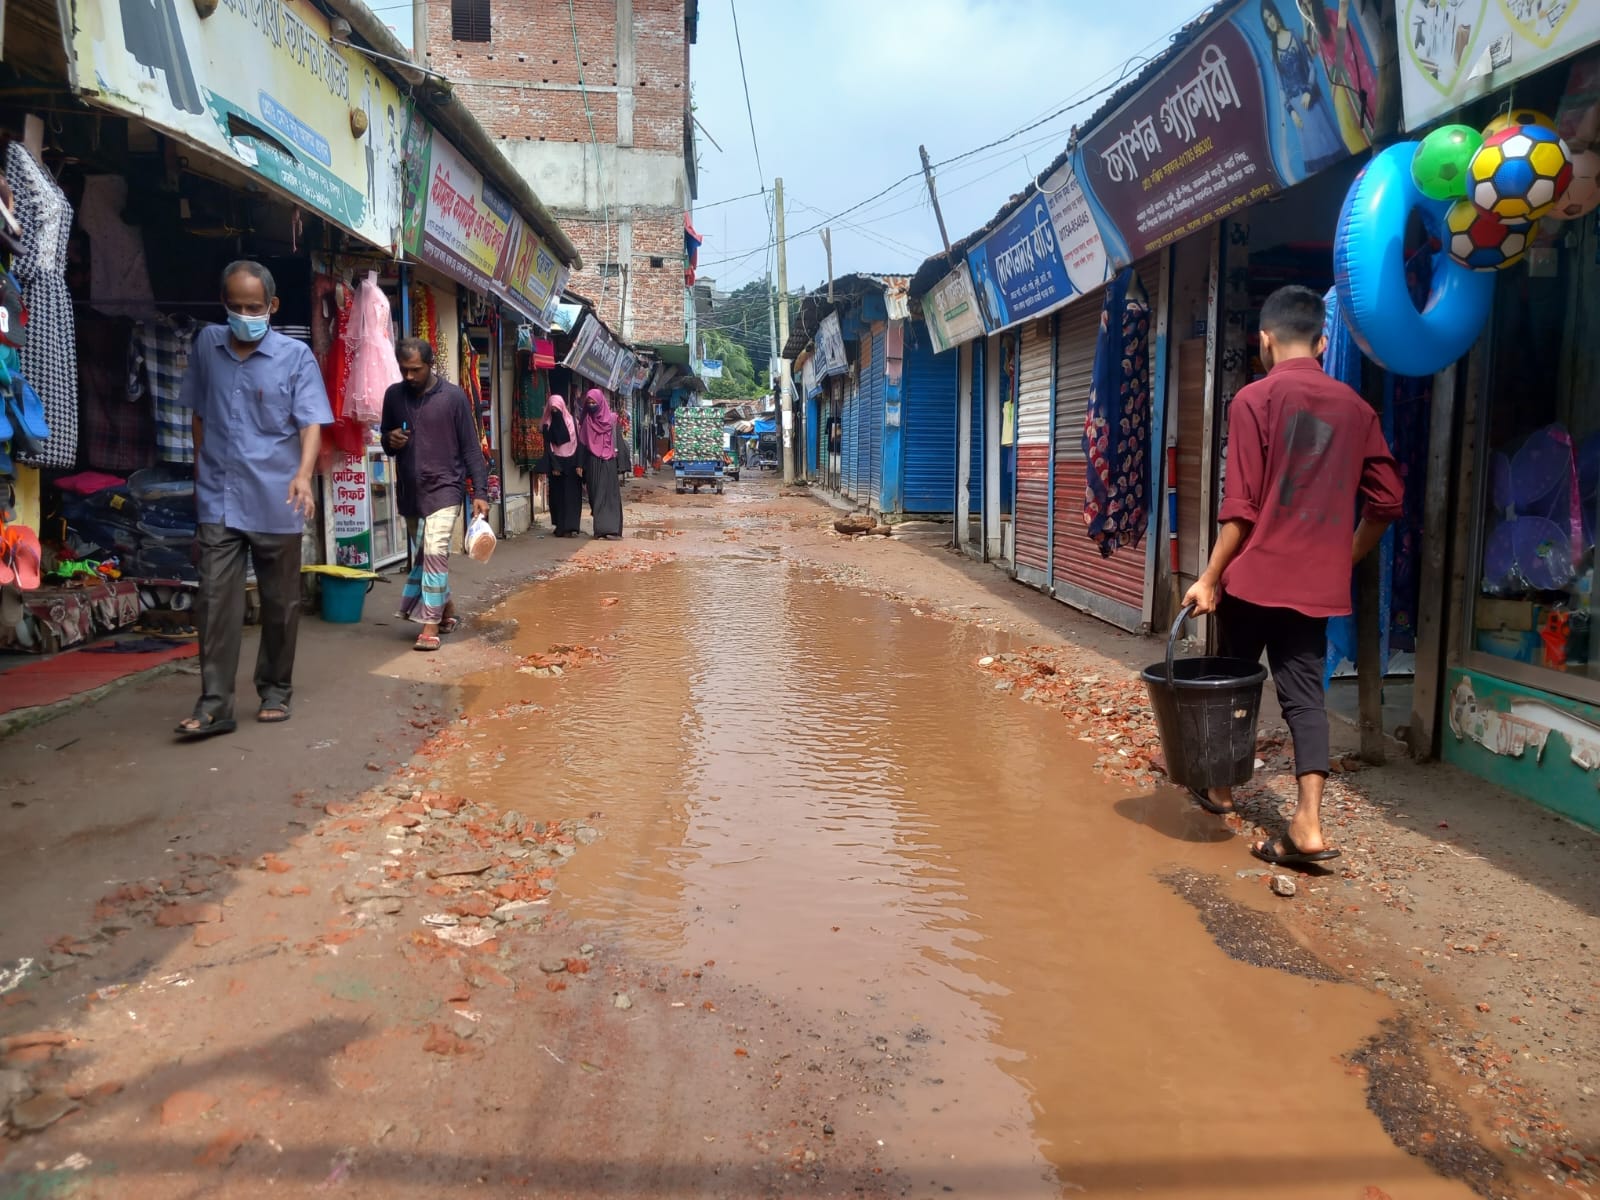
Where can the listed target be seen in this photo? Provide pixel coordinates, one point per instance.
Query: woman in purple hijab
(597, 430)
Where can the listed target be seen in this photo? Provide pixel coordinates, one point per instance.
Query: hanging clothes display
(527, 439)
(333, 317)
(1116, 430)
(158, 355)
(373, 367)
(49, 360)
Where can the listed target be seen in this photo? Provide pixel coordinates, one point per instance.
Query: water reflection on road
(812, 788)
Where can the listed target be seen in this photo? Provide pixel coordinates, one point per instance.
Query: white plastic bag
(480, 540)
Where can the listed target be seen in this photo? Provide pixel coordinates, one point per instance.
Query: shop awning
(766, 425)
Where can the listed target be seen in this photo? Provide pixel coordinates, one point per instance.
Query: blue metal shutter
(975, 465)
(847, 451)
(928, 417)
(875, 409)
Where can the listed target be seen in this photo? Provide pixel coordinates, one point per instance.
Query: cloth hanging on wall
(527, 440)
(119, 279)
(373, 367)
(1116, 429)
(158, 356)
(49, 360)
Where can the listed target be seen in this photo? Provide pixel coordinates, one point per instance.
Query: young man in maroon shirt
(1302, 449)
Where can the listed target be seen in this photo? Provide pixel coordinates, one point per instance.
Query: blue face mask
(248, 329)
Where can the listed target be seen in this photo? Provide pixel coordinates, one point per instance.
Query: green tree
(738, 380)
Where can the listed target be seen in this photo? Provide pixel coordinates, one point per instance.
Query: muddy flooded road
(814, 790)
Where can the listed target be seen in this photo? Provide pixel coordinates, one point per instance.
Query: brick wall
(521, 83)
(655, 294)
(522, 86)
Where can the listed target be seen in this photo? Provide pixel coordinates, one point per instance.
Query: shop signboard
(1453, 51)
(808, 379)
(1017, 272)
(261, 84)
(950, 311)
(533, 277)
(455, 221)
(1263, 98)
(829, 342)
(595, 354)
(1077, 236)
(352, 516)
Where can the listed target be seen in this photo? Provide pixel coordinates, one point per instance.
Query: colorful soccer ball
(1518, 173)
(1481, 241)
(1439, 166)
(1583, 193)
(1518, 116)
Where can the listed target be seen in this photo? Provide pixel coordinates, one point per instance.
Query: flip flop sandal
(19, 546)
(1211, 806)
(449, 624)
(208, 727)
(425, 642)
(30, 410)
(278, 717)
(1282, 852)
(176, 633)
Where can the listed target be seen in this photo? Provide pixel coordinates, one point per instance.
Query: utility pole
(827, 244)
(927, 174)
(419, 32)
(786, 396)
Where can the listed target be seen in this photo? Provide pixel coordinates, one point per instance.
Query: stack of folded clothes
(148, 524)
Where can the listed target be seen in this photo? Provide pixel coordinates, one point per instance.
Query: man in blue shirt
(259, 406)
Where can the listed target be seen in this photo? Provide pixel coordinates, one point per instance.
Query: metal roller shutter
(1111, 588)
(847, 446)
(975, 461)
(875, 409)
(1033, 454)
(928, 418)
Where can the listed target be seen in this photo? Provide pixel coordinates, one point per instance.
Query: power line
(1068, 106)
(749, 111)
(699, 208)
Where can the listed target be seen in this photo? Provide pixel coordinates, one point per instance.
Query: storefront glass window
(1539, 488)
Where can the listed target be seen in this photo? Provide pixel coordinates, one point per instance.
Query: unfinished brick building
(590, 101)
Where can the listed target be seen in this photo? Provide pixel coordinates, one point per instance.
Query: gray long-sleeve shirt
(430, 473)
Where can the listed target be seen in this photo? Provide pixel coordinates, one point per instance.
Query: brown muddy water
(813, 788)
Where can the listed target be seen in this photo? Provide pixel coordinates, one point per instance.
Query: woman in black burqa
(566, 488)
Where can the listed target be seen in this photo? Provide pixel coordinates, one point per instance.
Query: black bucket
(1206, 711)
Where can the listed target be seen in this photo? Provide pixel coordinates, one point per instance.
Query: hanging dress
(1116, 429)
(373, 367)
(49, 360)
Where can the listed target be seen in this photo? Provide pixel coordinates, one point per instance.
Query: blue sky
(843, 91)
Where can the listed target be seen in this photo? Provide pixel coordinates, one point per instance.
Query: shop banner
(829, 342)
(259, 83)
(352, 517)
(811, 385)
(1263, 99)
(1078, 237)
(454, 220)
(710, 368)
(1453, 51)
(595, 354)
(1017, 270)
(951, 311)
(533, 278)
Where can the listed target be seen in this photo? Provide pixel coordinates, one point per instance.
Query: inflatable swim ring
(1369, 273)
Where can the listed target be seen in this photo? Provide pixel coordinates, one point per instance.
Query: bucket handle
(1184, 614)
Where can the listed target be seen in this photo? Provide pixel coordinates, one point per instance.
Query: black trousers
(1296, 647)
(219, 615)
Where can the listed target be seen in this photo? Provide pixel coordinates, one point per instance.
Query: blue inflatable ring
(1370, 275)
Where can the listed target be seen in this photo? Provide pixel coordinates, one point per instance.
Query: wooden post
(1369, 639)
(1422, 732)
